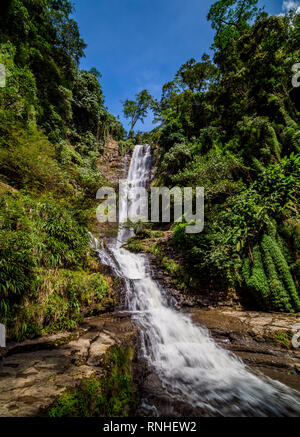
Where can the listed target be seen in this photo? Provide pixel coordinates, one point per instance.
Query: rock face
(113, 166)
(36, 372)
(205, 298)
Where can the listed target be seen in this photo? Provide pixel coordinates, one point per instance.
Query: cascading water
(191, 366)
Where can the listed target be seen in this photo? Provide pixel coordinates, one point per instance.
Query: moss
(256, 279)
(111, 395)
(284, 273)
(270, 278)
(135, 245)
(279, 297)
(155, 249)
(81, 402)
(282, 338)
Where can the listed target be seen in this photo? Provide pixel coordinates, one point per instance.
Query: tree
(230, 18)
(196, 75)
(137, 110)
(95, 73)
(232, 13)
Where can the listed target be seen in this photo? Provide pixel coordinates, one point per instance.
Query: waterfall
(191, 366)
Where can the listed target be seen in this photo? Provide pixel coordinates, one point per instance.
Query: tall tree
(230, 18)
(137, 110)
(232, 13)
(196, 75)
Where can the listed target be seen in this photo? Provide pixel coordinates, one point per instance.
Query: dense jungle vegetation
(231, 125)
(53, 125)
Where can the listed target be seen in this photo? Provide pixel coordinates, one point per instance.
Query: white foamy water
(192, 367)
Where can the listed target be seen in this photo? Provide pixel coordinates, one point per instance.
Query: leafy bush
(58, 302)
(36, 233)
(27, 159)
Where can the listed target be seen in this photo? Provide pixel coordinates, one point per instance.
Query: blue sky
(140, 44)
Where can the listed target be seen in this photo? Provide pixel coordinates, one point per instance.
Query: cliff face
(113, 166)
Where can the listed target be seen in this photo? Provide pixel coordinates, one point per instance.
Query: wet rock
(98, 348)
(47, 342)
(78, 350)
(152, 382)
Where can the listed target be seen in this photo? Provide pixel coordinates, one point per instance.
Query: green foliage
(57, 302)
(281, 338)
(118, 389)
(279, 296)
(135, 245)
(112, 395)
(270, 278)
(126, 146)
(53, 125)
(155, 249)
(232, 227)
(177, 157)
(232, 13)
(137, 109)
(284, 272)
(180, 276)
(232, 126)
(40, 47)
(215, 171)
(82, 402)
(27, 159)
(257, 280)
(196, 75)
(35, 234)
(171, 265)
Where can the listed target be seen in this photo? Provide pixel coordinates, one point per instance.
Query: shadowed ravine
(192, 368)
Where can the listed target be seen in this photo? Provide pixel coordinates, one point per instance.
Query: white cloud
(287, 5)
